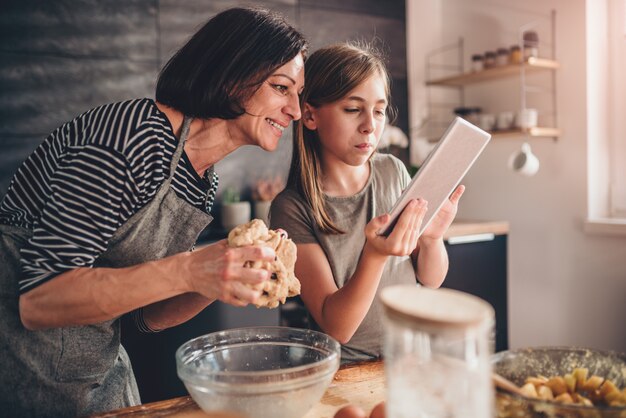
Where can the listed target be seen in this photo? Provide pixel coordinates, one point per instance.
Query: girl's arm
(430, 256)
(91, 295)
(339, 312)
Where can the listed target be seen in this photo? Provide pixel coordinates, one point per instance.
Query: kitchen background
(566, 286)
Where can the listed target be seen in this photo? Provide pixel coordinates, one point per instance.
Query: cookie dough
(283, 282)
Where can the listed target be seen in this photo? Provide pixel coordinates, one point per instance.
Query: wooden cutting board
(361, 384)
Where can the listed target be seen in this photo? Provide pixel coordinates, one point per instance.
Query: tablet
(442, 171)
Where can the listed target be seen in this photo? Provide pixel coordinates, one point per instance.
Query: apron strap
(184, 133)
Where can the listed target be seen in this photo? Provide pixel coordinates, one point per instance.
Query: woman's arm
(173, 311)
(90, 295)
(339, 312)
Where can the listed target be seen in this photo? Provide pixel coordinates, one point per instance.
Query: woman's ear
(308, 117)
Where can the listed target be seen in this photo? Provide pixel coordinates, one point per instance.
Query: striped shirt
(89, 177)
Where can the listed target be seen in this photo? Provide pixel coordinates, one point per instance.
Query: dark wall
(60, 58)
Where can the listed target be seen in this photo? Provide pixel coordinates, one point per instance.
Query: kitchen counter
(459, 227)
(361, 384)
(467, 227)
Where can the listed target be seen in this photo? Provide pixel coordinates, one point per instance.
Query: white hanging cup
(524, 161)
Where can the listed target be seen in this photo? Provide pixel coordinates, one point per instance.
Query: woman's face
(349, 129)
(272, 107)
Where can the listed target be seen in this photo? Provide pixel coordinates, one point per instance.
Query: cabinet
(523, 72)
(478, 265)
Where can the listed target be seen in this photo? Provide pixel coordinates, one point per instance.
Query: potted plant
(263, 192)
(234, 211)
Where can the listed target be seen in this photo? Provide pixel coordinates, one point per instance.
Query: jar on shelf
(470, 114)
(477, 62)
(490, 59)
(515, 54)
(531, 44)
(502, 57)
(437, 348)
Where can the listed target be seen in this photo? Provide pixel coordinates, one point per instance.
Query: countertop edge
(458, 228)
(466, 227)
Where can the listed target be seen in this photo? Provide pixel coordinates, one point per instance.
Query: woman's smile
(278, 127)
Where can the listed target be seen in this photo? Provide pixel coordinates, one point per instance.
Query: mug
(234, 214)
(526, 118)
(524, 162)
(505, 120)
(486, 121)
(262, 210)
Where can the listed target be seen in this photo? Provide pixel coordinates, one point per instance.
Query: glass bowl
(517, 365)
(260, 371)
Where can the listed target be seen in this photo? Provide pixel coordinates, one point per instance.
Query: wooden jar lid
(444, 308)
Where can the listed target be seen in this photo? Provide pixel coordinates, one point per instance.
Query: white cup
(505, 120)
(234, 214)
(526, 118)
(524, 162)
(486, 121)
(262, 210)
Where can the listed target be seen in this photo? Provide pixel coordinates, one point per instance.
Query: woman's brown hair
(330, 74)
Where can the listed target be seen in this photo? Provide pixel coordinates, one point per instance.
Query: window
(617, 106)
(606, 117)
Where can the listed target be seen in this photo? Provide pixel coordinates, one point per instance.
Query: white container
(262, 210)
(437, 349)
(527, 118)
(487, 121)
(234, 214)
(505, 120)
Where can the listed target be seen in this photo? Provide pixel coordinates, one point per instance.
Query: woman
(337, 197)
(101, 218)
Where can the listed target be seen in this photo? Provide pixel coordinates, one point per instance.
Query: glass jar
(515, 54)
(531, 44)
(490, 59)
(437, 348)
(477, 62)
(502, 57)
(470, 114)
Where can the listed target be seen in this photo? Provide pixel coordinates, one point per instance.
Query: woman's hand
(217, 272)
(403, 238)
(441, 222)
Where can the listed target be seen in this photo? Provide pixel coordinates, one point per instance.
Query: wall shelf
(445, 73)
(513, 70)
(536, 132)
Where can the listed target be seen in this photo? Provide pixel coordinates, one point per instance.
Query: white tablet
(442, 171)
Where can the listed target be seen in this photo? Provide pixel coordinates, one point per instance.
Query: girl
(339, 187)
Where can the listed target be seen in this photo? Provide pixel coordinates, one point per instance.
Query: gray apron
(72, 371)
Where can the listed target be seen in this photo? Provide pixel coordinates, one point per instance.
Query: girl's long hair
(330, 74)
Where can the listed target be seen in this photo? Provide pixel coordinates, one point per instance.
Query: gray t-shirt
(388, 177)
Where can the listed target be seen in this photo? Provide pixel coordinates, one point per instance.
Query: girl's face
(272, 107)
(350, 128)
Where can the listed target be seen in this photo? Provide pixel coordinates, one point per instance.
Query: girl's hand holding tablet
(441, 222)
(403, 238)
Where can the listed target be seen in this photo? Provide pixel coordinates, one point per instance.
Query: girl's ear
(308, 117)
